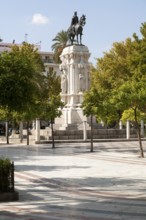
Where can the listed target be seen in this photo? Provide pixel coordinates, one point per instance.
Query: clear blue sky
(107, 21)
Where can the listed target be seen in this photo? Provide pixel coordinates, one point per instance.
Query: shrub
(6, 175)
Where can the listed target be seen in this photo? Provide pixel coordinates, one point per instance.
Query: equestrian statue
(76, 28)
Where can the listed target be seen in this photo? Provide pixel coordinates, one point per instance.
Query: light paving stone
(70, 182)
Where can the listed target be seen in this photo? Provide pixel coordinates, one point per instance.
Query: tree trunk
(7, 131)
(91, 133)
(140, 142)
(21, 131)
(27, 136)
(138, 134)
(53, 142)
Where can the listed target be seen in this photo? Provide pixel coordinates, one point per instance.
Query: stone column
(37, 129)
(128, 129)
(120, 125)
(84, 131)
(102, 123)
(73, 86)
(142, 128)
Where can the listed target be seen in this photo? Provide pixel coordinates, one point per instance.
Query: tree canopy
(26, 92)
(118, 82)
(52, 103)
(20, 77)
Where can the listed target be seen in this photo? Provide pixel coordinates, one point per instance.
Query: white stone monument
(74, 82)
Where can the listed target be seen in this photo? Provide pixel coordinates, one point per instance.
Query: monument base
(75, 81)
(73, 118)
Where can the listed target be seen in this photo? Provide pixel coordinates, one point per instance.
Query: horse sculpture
(76, 30)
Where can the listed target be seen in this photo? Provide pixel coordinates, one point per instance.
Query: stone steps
(97, 134)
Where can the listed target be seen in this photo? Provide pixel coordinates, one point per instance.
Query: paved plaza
(70, 182)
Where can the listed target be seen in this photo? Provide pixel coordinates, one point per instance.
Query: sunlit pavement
(70, 182)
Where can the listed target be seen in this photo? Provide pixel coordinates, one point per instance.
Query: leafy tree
(51, 101)
(51, 104)
(89, 109)
(60, 43)
(132, 93)
(52, 84)
(20, 77)
(118, 82)
(110, 72)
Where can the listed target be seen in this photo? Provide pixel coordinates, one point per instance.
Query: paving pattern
(70, 182)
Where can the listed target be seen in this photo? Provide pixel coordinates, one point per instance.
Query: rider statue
(76, 29)
(74, 21)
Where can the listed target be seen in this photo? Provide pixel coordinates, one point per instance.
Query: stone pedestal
(74, 82)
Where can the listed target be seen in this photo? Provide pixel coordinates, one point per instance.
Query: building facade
(47, 57)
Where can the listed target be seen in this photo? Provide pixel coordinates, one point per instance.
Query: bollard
(84, 131)
(142, 128)
(120, 125)
(128, 129)
(37, 129)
